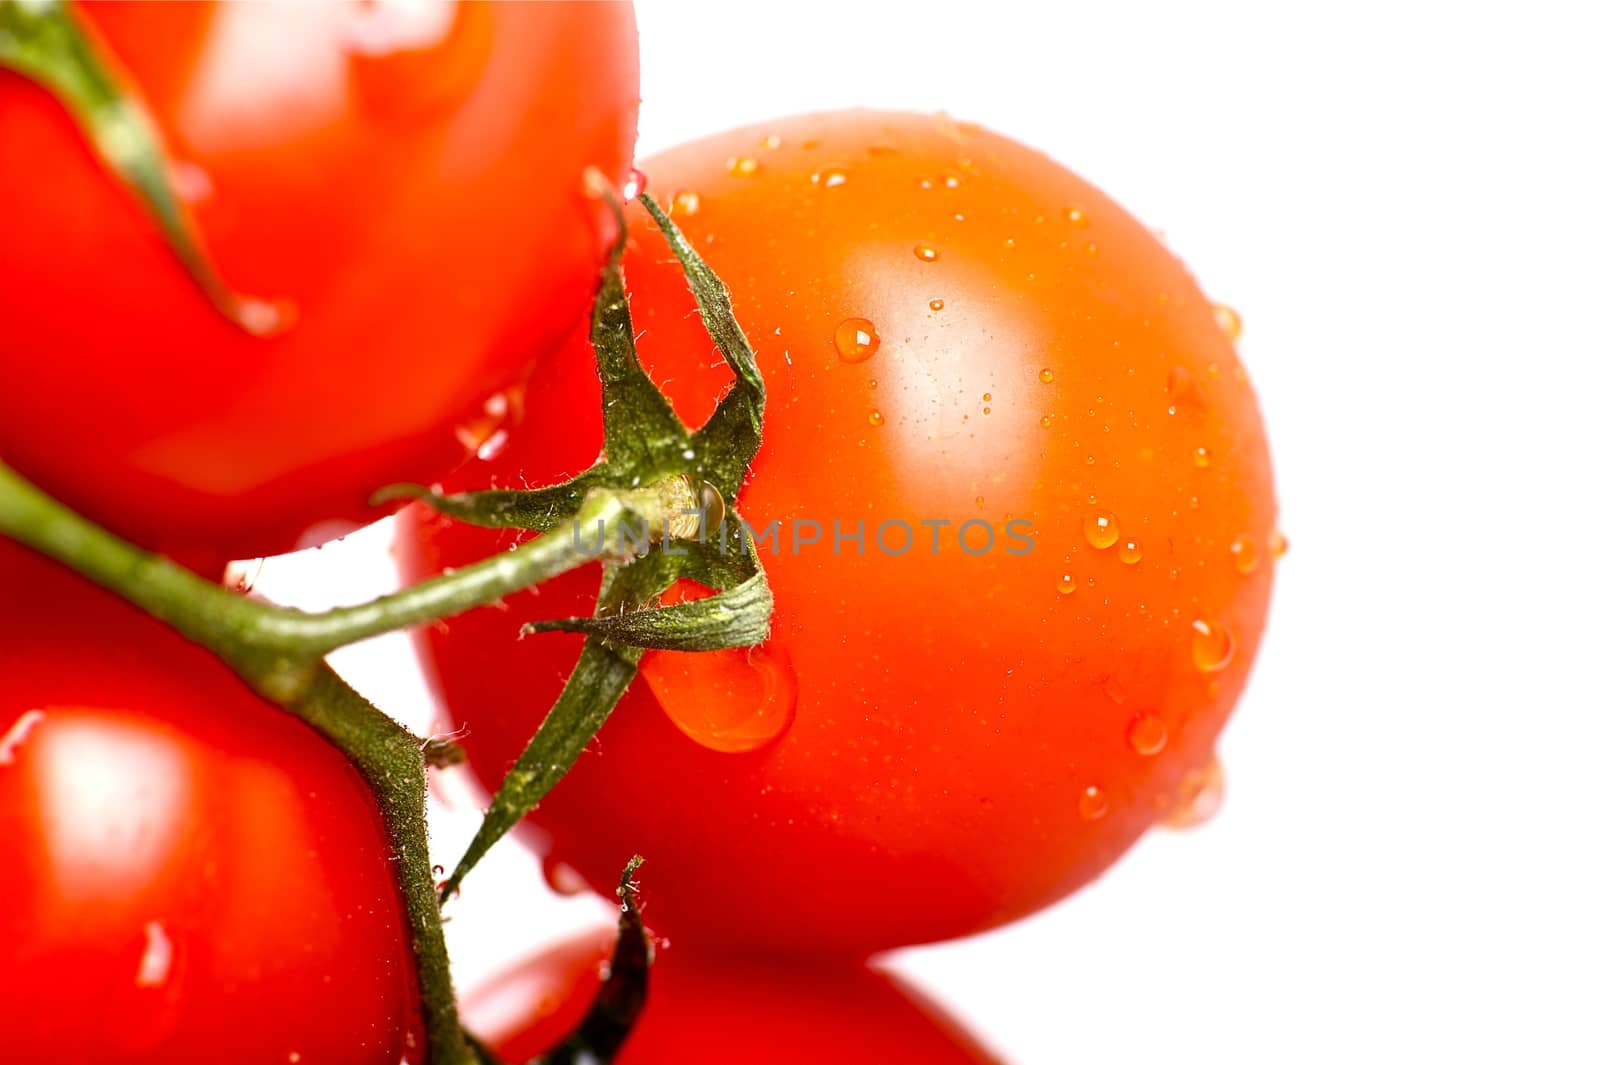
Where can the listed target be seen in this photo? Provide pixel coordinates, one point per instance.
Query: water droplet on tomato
(936, 305)
(155, 963)
(1046, 375)
(633, 184)
(259, 318)
(856, 340)
(1199, 796)
(1065, 584)
(771, 141)
(1046, 421)
(1130, 552)
(1228, 320)
(1182, 390)
(829, 177)
(1101, 529)
(1075, 216)
(1211, 645)
(1202, 458)
(926, 252)
(875, 418)
(562, 878)
(1147, 735)
(17, 734)
(1277, 544)
(731, 701)
(1093, 804)
(492, 445)
(1245, 556)
(686, 202)
(742, 165)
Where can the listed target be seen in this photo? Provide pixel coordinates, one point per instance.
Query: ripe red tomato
(190, 873)
(719, 1011)
(953, 328)
(403, 180)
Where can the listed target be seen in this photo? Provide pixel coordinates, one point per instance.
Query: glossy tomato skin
(722, 1010)
(404, 181)
(973, 735)
(190, 873)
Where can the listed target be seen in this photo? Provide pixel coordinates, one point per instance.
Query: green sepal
(620, 1000)
(536, 509)
(602, 673)
(731, 436)
(740, 615)
(43, 41)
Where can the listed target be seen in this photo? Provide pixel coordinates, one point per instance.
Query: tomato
(191, 874)
(402, 181)
(720, 1011)
(935, 740)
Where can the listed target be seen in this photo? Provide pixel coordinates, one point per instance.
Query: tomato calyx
(44, 42)
(692, 476)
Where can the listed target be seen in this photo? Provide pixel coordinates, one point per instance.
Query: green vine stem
(280, 651)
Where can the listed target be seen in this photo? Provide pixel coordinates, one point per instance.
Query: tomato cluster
(1013, 496)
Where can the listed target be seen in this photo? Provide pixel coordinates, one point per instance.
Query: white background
(1402, 201)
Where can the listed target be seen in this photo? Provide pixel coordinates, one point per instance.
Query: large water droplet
(1046, 375)
(1228, 320)
(1065, 584)
(856, 340)
(1278, 544)
(730, 701)
(1130, 552)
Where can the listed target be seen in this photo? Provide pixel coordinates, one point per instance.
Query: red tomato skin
(962, 746)
(722, 1010)
(419, 210)
(191, 874)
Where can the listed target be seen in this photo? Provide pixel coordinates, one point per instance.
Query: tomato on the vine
(936, 739)
(401, 184)
(190, 874)
(722, 1010)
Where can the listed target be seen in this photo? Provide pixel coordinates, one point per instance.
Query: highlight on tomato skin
(398, 187)
(953, 328)
(722, 1010)
(191, 874)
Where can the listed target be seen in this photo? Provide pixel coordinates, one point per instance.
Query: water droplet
(742, 165)
(191, 183)
(17, 734)
(875, 418)
(1093, 804)
(936, 305)
(926, 252)
(1075, 216)
(686, 202)
(1130, 552)
(1202, 458)
(986, 410)
(829, 177)
(771, 141)
(633, 185)
(856, 339)
(1183, 390)
(493, 445)
(1147, 735)
(872, 383)
(563, 878)
(1046, 375)
(1211, 646)
(1046, 421)
(1065, 584)
(1199, 796)
(155, 964)
(1091, 249)
(1245, 556)
(258, 317)
(729, 701)
(1277, 544)
(1101, 530)
(1228, 320)
(978, 502)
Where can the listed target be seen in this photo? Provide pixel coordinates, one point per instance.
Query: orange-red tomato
(953, 328)
(190, 874)
(402, 181)
(721, 1011)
